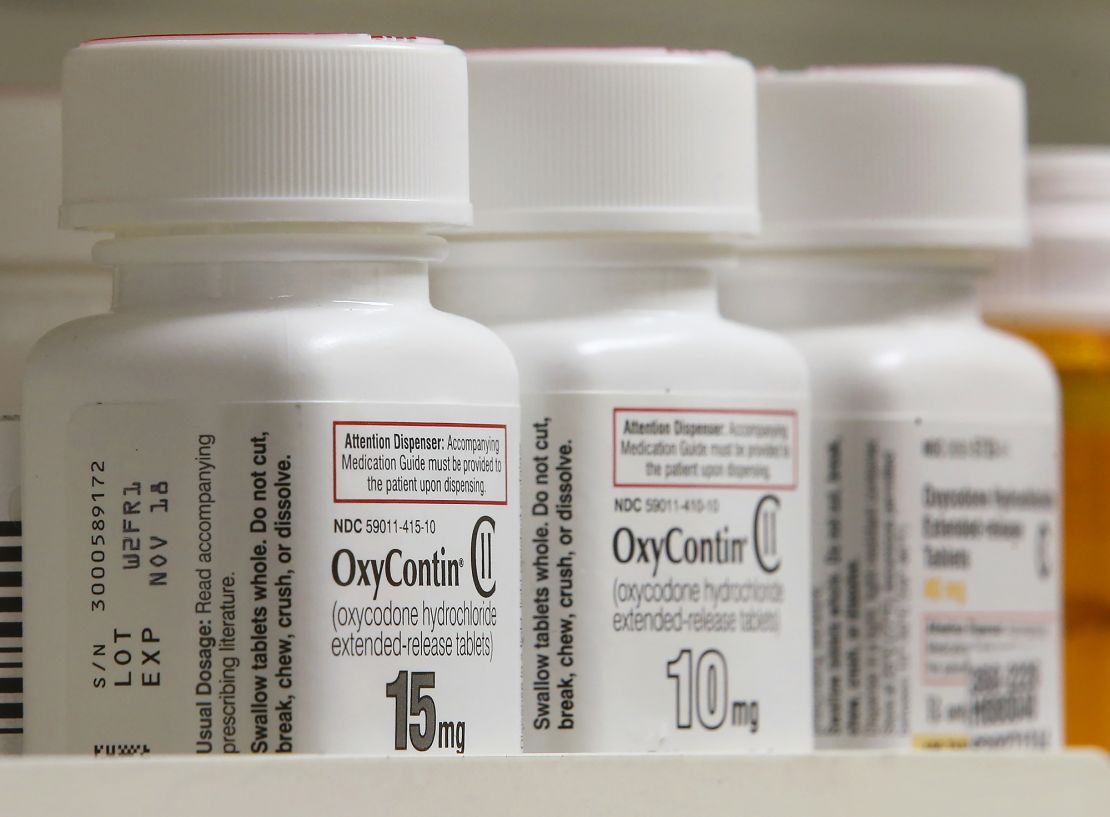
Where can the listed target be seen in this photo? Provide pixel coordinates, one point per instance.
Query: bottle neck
(525, 279)
(268, 267)
(792, 291)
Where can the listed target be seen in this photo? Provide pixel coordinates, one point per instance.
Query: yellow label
(940, 742)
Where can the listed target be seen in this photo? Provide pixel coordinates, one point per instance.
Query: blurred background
(1061, 48)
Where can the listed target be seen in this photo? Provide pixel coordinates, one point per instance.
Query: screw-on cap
(591, 140)
(1073, 175)
(1065, 276)
(264, 128)
(928, 156)
(31, 182)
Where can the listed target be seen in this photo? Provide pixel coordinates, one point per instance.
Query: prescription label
(293, 577)
(936, 585)
(666, 574)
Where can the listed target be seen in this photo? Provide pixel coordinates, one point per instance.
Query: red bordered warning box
(410, 463)
(959, 647)
(677, 466)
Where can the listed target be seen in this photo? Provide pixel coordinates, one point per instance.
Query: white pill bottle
(272, 497)
(46, 278)
(665, 498)
(936, 451)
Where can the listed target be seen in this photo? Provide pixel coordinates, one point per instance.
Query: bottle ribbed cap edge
(612, 140)
(883, 156)
(184, 129)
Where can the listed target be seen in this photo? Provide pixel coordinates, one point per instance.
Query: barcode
(11, 637)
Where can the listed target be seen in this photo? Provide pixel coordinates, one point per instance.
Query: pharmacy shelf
(1069, 784)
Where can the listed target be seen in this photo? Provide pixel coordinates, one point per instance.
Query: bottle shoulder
(964, 369)
(651, 352)
(349, 351)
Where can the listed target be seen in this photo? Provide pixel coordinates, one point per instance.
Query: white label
(318, 577)
(666, 574)
(11, 592)
(936, 585)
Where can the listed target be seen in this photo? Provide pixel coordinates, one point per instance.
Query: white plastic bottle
(46, 279)
(936, 454)
(665, 498)
(272, 497)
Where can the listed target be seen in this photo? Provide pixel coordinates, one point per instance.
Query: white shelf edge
(1064, 784)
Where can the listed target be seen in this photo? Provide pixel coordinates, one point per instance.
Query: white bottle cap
(264, 128)
(1068, 177)
(31, 183)
(592, 140)
(1064, 278)
(927, 156)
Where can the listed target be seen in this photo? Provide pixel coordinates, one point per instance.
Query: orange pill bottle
(1057, 295)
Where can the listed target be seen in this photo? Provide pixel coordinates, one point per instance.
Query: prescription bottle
(935, 453)
(1055, 296)
(46, 279)
(664, 456)
(271, 497)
